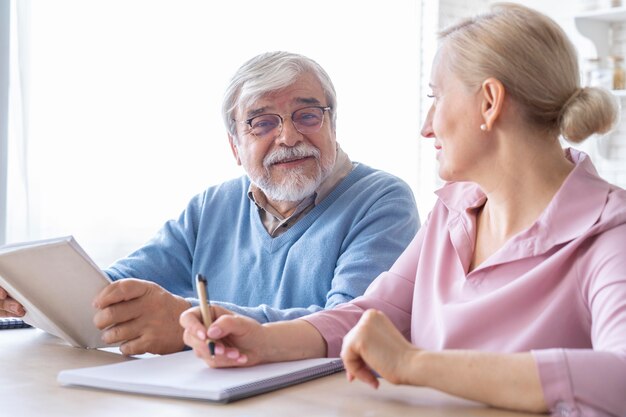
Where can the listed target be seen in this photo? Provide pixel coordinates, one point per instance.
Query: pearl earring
(483, 127)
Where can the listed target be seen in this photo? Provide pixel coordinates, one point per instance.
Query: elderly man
(306, 229)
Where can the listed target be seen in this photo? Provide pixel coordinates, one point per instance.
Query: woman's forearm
(292, 340)
(502, 380)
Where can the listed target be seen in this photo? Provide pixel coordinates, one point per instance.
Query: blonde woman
(513, 293)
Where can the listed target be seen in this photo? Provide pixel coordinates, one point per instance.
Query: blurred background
(110, 109)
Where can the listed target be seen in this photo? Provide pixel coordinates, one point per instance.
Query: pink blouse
(557, 289)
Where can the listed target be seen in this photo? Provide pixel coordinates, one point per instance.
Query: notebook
(13, 323)
(183, 375)
(55, 281)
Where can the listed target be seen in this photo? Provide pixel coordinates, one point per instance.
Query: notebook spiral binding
(13, 323)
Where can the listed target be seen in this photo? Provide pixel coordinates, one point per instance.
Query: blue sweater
(328, 257)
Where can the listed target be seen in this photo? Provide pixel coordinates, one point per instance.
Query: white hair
(269, 72)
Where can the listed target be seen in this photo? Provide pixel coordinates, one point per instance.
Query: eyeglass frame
(248, 122)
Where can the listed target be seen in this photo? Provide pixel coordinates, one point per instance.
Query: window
(115, 111)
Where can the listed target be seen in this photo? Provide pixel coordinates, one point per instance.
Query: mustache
(283, 154)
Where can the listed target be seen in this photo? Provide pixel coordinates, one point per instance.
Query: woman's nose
(427, 127)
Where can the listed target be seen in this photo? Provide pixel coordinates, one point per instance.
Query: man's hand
(8, 306)
(374, 344)
(140, 315)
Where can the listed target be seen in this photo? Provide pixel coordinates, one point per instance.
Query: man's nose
(289, 136)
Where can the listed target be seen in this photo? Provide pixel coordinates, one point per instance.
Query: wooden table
(31, 360)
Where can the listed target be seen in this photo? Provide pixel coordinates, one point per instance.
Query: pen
(205, 307)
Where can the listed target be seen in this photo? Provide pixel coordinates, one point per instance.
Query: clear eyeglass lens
(264, 125)
(306, 120)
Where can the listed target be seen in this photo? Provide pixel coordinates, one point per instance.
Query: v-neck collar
(567, 216)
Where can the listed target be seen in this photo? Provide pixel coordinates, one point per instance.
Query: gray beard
(298, 185)
(296, 188)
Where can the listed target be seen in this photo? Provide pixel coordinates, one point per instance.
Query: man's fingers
(122, 290)
(118, 313)
(121, 333)
(133, 347)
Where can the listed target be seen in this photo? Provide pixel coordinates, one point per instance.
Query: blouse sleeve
(592, 382)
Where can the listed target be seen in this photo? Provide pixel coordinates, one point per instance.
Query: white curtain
(18, 207)
(5, 12)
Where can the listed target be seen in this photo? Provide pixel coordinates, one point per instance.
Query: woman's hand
(375, 345)
(497, 379)
(239, 340)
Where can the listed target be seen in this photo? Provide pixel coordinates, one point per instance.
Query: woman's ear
(493, 93)
(233, 147)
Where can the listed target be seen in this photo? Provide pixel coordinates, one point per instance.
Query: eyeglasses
(269, 126)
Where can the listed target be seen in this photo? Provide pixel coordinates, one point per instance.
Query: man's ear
(493, 93)
(233, 148)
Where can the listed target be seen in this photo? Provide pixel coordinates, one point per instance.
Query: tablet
(56, 282)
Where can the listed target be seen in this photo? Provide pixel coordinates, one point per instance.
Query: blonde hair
(532, 57)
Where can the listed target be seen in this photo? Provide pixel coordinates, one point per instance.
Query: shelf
(613, 14)
(595, 25)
